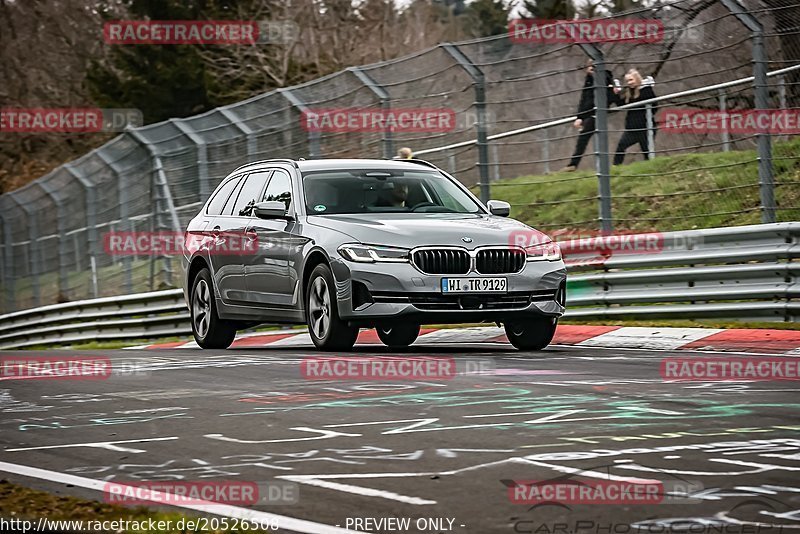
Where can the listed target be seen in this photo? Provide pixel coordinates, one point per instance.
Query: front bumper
(376, 293)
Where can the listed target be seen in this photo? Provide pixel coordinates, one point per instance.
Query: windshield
(370, 191)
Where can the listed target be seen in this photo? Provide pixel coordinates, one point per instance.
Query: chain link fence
(514, 106)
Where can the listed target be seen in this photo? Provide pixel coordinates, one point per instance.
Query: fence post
(90, 196)
(546, 150)
(124, 216)
(386, 105)
(761, 89)
(63, 286)
(601, 136)
(723, 107)
(8, 262)
(480, 105)
(252, 147)
(313, 137)
(164, 204)
(495, 162)
(202, 157)
(33, 248)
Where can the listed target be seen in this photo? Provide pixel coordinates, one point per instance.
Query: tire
(327, 330)
(210, 332)
(533, 334)
(398, 335)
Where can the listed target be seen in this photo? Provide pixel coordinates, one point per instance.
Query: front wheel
(210, 332)
(532, 334)
(399, 335)
(328, 331)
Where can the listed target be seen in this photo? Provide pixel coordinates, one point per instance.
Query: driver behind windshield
(397, 196)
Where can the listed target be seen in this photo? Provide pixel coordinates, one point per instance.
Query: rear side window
(249, 194)
(222, 194)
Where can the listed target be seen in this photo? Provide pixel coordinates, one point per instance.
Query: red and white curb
(626, 337)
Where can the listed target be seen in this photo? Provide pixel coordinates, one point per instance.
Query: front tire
(328, 331)
(210, 332)
(398, 335)
(532, 334)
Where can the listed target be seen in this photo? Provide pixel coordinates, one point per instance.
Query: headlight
(544, 252)
(371, 254)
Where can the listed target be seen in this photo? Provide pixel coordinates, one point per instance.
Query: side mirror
(499, 207)
(271, 209)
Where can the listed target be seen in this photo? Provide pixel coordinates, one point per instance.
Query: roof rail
(274, 160)
(420, 162)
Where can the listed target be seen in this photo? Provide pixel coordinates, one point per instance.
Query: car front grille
(442, 261)
(500, 261)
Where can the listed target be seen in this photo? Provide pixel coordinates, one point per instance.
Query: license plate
(474, 285)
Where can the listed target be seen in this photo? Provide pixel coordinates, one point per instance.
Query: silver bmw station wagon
(346, 244)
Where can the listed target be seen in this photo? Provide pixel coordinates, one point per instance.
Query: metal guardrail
(742, 272)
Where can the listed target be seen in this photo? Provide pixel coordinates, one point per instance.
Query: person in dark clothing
(585, 121)
(636, 90)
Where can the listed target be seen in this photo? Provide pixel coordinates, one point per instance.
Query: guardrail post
(63, 286)
(601, 136)
(314, 150)
(480, 105)
(761, 90)
(723, 107)
(90, 196)
(651, 132)
(202, 157)
(386, 105)
(252, 147)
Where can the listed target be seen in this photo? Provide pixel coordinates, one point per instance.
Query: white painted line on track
(648, 338)
(256, 516)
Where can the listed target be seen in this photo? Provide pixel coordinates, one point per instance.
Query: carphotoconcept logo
(545, 31)
(412, 120)
(178, 243)
(68, 120)
(751, 121)
(199, 32)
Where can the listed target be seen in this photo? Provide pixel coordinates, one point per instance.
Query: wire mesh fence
(513, 137)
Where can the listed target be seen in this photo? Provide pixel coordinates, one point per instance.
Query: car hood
(408, 231)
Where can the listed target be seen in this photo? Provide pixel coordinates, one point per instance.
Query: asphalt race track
(442, 454)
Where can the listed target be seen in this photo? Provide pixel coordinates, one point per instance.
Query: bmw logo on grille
(466, 239)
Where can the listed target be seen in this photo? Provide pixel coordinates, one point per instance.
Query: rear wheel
(328, 331)
(398, 335)
(532, 334)
(210, 332)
